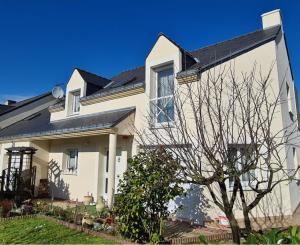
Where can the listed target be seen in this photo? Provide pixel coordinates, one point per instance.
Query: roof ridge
(231, 39)
(79, 69)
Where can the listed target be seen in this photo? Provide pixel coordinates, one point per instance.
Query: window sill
(246, 187)
(162, 125)
(69, 172)
(73, 114)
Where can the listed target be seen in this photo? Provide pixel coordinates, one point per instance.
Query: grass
(40, 231)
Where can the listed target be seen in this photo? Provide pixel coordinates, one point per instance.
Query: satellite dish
(58, 92)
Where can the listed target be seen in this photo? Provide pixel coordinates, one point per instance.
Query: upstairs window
(162, 101)
(75, 102)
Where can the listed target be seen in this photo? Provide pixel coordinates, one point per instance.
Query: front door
(121, 165)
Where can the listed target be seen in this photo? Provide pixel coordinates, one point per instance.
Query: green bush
(145, 191)
(275, 236)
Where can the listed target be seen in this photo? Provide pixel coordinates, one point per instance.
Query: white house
(83, 141)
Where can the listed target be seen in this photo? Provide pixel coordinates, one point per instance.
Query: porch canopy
(39, 127)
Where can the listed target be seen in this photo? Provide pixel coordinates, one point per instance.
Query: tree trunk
(247, 222)
(248, 227)
(235, 229)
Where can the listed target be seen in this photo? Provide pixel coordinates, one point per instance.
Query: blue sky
(42, 41)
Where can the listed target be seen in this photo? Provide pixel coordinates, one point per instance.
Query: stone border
(18, 217)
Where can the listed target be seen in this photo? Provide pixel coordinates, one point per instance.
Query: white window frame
(74, 95)
(68, 169)
(155, 99)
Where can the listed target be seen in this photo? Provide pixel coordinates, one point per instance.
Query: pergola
(20, 173)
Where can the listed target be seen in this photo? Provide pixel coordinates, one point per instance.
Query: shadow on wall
(270, 212)
(58, 188)
(192, 206)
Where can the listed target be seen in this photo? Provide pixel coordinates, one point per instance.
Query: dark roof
(136, 75)
(39, 124)
(31, 105)
(4, 108)
(207, 56)
(23, 103)
(223, 51)
(122, 82)
(93, 78)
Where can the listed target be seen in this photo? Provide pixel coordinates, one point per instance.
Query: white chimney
(272, 18)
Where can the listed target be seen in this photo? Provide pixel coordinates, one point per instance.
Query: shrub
(105, 213)
(41, 207)
(275, 236)
(145, 191)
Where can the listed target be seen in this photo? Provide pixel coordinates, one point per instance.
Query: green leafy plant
(145, 191)
(203, 239)
(275, 236)
(104, 213)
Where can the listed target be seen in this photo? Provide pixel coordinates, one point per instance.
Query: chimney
(271, 19)
(10, 102)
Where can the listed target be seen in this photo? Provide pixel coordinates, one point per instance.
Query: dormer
(81, 84)
(164, 61)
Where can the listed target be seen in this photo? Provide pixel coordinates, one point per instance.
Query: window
(106, 185)
(295, 158)
(75, 102)
(288, 94)
(241, 156)
(72, 160)
(107, 161)
(162, 102)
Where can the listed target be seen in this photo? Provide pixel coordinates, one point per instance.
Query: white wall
(91, 157)
(285, 77)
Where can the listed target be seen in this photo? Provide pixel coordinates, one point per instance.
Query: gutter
(99, 96)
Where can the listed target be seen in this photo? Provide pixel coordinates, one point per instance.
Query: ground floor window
(241, 156)
(71, 161)
(106, 185)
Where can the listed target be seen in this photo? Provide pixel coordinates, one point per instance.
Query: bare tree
(228, 134)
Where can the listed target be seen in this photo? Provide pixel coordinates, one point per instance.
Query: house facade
(83, 140)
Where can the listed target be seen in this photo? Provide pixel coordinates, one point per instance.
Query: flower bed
(84, 219)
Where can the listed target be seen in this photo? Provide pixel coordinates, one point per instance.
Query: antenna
(58, 92)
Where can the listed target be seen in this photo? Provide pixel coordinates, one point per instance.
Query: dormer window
(75, 96)
(162, 100)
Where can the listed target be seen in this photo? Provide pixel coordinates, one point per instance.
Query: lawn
(40, 231)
